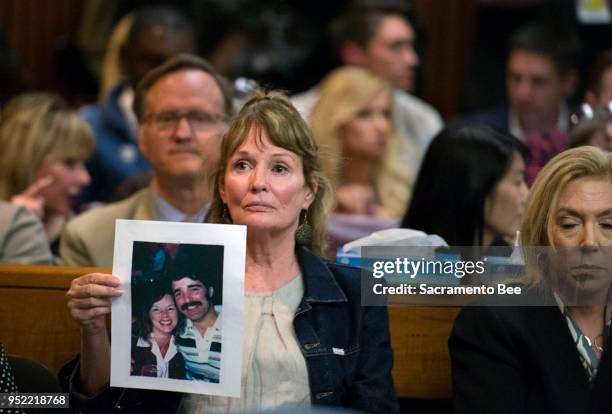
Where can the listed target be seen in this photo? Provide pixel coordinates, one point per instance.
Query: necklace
(593, 343)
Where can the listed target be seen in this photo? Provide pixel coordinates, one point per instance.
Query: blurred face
(264, 187)
(163, 315)
(69, 176)
(190, 297)
(504, 208)
(183, 123)
(390, 53)
(367, 135)
(152, 47)
(582, 233)
(535, 90)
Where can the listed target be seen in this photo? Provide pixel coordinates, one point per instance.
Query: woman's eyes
(280, 168)
(567, 224)
(71, 163)
(241, 165)
(364, 113)
(169, 308)
(606, 224)
(368, 113)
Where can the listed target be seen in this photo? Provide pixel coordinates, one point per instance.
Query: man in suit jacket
(22, 237)
(182, 109)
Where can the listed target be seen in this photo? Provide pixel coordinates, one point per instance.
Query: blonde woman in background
(111, 72)
(44, 148)
(360, 150)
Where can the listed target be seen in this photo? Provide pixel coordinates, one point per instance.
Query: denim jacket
(346, 346)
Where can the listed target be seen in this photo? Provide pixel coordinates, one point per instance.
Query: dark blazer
(346, 347)
(601, 394)
(516, 360)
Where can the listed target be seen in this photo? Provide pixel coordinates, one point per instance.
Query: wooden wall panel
(34, 30)
(450, 29)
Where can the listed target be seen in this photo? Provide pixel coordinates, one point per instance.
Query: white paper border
(233, 238)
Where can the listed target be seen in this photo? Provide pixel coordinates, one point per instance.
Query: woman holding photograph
(154, 352)
(269, 179)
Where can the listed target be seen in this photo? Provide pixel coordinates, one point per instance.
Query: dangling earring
(225, 216)
(303, 233)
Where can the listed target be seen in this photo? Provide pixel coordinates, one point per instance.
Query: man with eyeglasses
(156, 34)
(182, 109)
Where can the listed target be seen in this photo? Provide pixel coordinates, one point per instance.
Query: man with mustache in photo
(200, 340)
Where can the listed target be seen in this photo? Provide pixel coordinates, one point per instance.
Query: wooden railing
(36, 324)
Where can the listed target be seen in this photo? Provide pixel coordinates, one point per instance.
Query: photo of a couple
(176, 304)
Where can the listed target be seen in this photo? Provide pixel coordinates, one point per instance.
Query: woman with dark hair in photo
(270, 179)
(471, 188)
(156, 321)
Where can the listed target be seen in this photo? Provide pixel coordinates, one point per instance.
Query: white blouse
(163, 362)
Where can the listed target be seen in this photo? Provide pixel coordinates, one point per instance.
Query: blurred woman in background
(471, 188)
(351, 122)
(44, 149)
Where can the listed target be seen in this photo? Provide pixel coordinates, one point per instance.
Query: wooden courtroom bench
(36, 324)
(421, 365)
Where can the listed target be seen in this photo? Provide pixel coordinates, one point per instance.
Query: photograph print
(176, 330)
(173, 330)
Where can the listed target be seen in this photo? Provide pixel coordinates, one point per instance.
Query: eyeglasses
(199, 121)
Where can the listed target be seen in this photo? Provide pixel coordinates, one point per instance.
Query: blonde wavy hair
(272, 113)
(33, 128)
(543, 201)
(343, 94)
(111, 72)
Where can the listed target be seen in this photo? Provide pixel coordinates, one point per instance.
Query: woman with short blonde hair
(44, 147)
(538, 222)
